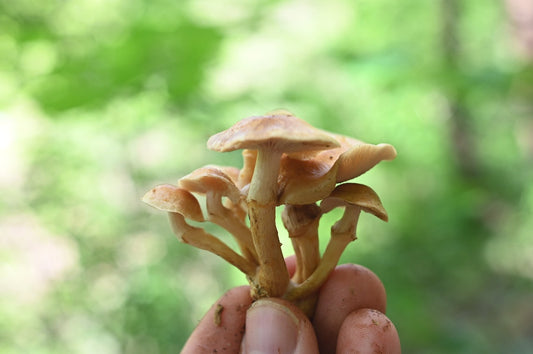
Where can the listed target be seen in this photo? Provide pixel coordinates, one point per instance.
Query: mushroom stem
(199, 238)
(342, 233)
(307, 255)
(272, 278)
(301, 221)
(247, 170)
(227, 219)
(264, 184)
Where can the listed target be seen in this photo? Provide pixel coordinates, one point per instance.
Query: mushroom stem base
(272, 277)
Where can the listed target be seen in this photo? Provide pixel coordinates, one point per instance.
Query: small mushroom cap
(211, 178)
(278, 130)
(173, 199)
(307, 180)
(231, 172)
(297, 218)
(313, 178)
(304, 181)
(329, 157)
(361, 158)
(355, 194)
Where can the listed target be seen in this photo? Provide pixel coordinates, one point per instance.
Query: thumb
(277, 326)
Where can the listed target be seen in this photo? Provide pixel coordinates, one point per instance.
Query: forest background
(101, 100)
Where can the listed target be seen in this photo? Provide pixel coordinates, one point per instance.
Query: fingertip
(350, 287)
(222, 327)
(368, 331)
(357, 287)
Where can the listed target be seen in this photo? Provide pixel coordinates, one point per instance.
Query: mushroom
(180, 205)
(271, 135)
(354, 198)
(215, 184)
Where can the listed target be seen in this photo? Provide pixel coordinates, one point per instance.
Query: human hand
(349, 317)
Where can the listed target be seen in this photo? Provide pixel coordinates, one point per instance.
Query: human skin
(349, 318)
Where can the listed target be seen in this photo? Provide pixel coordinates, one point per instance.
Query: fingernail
(270, 328)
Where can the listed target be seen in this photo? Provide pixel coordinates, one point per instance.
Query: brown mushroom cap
(304, 181)
(279, 130)
(354, 157)
(355, 194)
(297, 218)
(330, 156)
(231, 172)
(310, 179)
(211, 179)
(173, 199)
(361, 158)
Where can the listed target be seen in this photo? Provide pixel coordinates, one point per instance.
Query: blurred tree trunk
(520, 14)
(460, 129)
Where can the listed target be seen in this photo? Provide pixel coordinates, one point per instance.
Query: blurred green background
(101, 100)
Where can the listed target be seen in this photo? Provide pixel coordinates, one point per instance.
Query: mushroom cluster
(286, 162)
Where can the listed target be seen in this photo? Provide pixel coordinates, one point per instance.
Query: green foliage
(100, 100)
